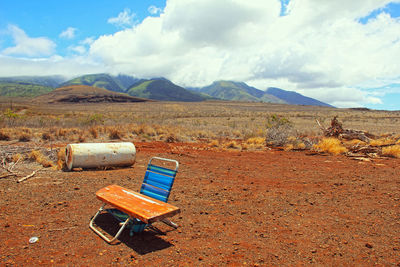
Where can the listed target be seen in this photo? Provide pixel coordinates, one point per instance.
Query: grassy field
(181, 121)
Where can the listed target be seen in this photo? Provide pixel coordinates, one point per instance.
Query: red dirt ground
(237, 208)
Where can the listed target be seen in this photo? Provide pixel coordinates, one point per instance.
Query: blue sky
(341, 52)
(50, 18)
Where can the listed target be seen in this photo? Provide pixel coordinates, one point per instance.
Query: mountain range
(155, 89)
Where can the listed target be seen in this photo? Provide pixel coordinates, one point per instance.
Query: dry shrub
(25, 137)
(170, 138)
(4, 136)
(82, 138)
(300, 145)
(232, 145)
(237, 133)
(295, 146)
(391, 151)
(61, 132)
(295, 143)
(47, 136)
(61, 159)
(330, 145)
(381, 142)
(253, 143)
(94, 132)
(214, 143)
(354, 142)
(288, 147)
(256, 141)
(17, 157)
(147, 130)
(37, 156)
(26, 130)
(115, 133)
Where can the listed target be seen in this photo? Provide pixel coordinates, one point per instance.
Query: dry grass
(38, 156)
(391, 151)
(61, 159)
(330, 145)
(232, 145)
(4, 135)
(382, 141)
(252, 126)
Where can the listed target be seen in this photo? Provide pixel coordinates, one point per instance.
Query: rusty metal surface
(145, 208)
(96, 155)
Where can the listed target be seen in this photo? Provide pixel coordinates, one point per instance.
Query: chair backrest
(158, 181)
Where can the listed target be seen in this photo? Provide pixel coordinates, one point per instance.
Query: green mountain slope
(50, 81)
(105, 81)
(22, 89)
(238, 91)
(125, 80)
(294, 98)
(163, 89)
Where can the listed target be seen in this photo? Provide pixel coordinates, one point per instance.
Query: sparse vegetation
(331, 145)
(391, 151)
(251, 126)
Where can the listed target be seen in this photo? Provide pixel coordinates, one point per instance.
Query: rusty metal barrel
(97, 155)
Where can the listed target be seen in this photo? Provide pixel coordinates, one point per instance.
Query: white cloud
(28, 46)
(124, 19)
(80, 49)
(318, 48)
(154, 10)
(69, 33)
(54, 65)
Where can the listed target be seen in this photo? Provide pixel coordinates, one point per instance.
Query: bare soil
(237, 208)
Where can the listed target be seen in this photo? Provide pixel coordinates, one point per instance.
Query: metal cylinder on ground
(97, 155)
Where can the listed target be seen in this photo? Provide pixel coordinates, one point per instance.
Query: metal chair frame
(130, 218)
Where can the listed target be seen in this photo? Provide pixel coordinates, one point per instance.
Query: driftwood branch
(320, 126)
(28, 176)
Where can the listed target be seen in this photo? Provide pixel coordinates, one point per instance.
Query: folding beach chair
(136, 211)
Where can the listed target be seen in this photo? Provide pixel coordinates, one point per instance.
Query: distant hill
(48, 81)
(238, 91)
(294, 98)
(125, 80)
(163, 89)
(156, 89)
(105, 81)
(85, 94)
(22, 89)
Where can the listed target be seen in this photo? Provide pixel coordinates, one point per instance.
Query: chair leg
(108, 240)
(168, 222)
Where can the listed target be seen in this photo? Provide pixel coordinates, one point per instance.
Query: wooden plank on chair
(142, 207)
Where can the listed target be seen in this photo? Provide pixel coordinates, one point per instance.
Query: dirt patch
(240, 208)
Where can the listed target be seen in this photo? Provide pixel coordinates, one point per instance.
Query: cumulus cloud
(154, 10)
(28, 46)
(124, 19)
(54, 65)
(69, 33)
(316, 46)
(82, 47)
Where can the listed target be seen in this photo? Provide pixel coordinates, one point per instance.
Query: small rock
(368, 245)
